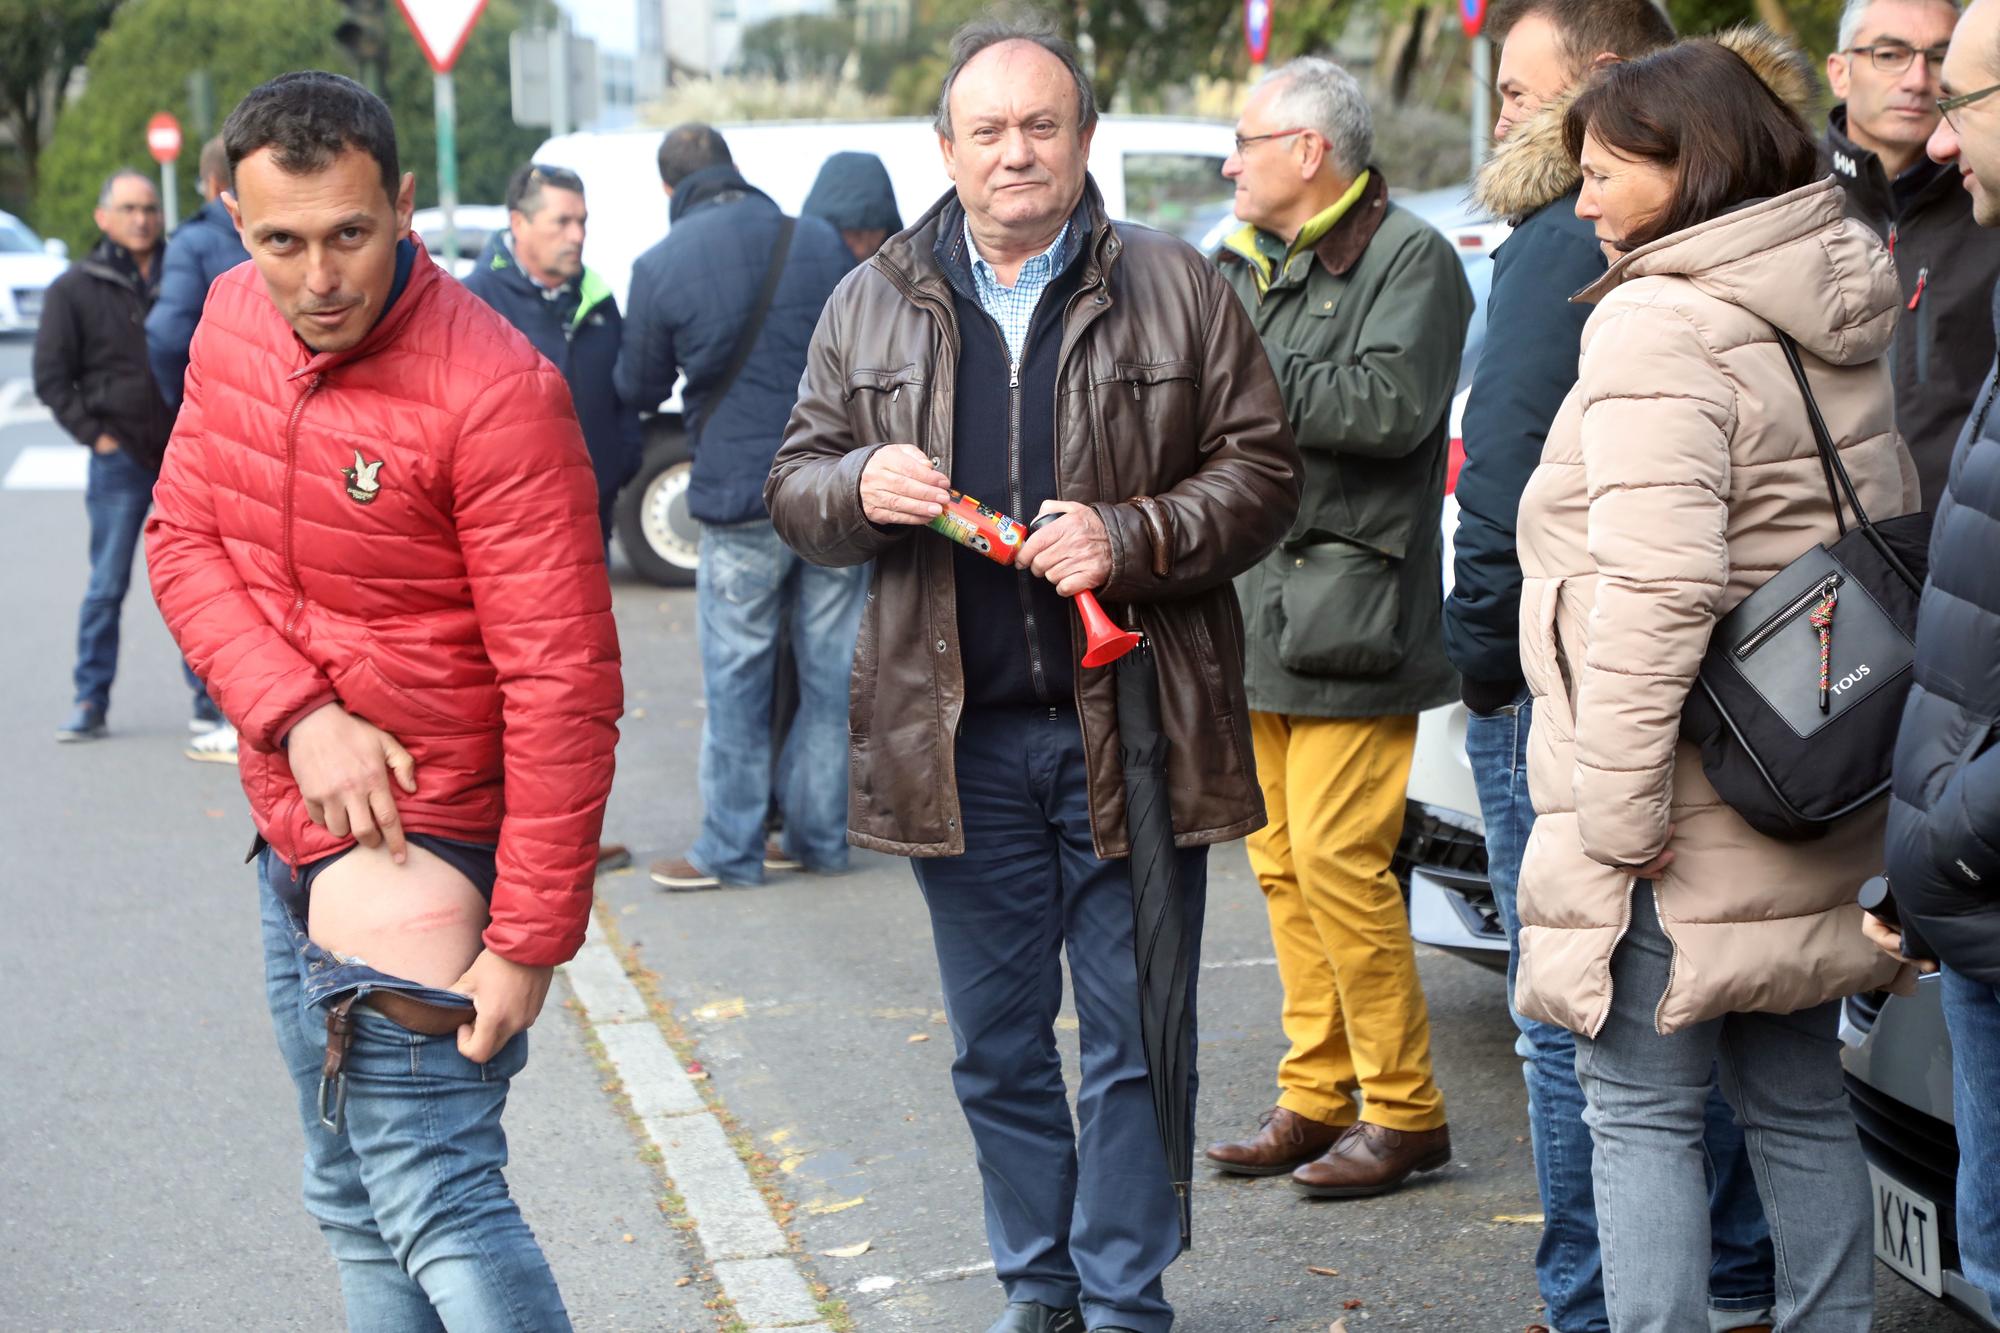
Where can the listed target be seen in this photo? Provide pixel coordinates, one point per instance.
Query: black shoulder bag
(1802, 688)
(739, 356)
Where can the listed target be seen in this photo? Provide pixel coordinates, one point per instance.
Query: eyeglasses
(1895, 57)
(1949, 107)
(1243, 141)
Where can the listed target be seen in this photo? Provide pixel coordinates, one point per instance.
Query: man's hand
(506, 998)
(1890, 941)
(899, 485)
(342, 765)
(1074, 554)
(106, 444)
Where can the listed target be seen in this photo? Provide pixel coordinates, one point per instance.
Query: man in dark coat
(1527, 367)
(91, 370)
(1886, 75)
(1944, 807)
(694, 306)
(533, 274)
(201, 250)
(852, 192)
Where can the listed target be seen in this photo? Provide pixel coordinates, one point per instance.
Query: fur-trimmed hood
(1531, 169)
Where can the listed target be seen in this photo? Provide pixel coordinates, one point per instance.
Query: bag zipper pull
(1923, 277)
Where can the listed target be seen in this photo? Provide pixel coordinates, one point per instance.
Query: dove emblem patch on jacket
(362, 487)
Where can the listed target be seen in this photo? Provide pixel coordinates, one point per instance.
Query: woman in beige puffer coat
(1681, 474)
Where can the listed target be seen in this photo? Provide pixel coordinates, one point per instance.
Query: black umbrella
(1159, 921)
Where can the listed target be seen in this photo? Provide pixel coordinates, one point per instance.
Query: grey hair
(1854, 11)
(1320, 96)
(104, 193)
(980, 34)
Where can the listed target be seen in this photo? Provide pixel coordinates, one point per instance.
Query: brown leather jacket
(1168, 422)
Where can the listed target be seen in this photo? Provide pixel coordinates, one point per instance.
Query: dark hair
(689, 148)
(1586, 29)
(308, 118)
(525, 186)
(1034, 29)
(214, 163)
(1701, 110)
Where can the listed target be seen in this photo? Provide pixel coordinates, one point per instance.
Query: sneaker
(682, 875)
(216, 746)
(207, 717)
(85, 723)
(612, 856)
(775, 858)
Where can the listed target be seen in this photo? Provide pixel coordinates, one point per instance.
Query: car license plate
(1906, 1233)
(28, 305)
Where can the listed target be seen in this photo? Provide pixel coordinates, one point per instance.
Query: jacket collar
(113, 263)
(1343, 244)
(911, 258)
(719, 184)
(1867, 181)
(498, 259)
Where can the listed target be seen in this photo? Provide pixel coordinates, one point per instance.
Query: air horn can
(998, 537)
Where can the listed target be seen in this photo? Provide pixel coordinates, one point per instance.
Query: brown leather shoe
(1369, 1159)
(1283, 1141)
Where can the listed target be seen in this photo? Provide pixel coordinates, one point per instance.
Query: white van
(1161, 171)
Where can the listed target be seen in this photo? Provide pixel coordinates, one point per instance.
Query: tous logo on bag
(1851, 679)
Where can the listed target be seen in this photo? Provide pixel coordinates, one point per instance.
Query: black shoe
(1028, 1317)
(85, 723)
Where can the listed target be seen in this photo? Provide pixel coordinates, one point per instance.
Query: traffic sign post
(1472, 16)
(1257, 33)
(163, 141)
(441, 27)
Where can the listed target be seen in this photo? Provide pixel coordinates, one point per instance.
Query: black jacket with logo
(1948, 265)
(91, 366)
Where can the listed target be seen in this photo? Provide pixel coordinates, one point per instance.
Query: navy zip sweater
(1013, 630)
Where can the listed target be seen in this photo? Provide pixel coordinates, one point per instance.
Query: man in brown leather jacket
(1014, 345)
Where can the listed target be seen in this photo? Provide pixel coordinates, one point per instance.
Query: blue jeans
(1568, 1266)
(1076, 1214)
(1972, 1013)
(115, 497)
(1649, 1098)
(747, 580)
(408, 1191)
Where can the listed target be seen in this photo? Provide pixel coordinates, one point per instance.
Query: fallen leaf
(791, 1163)
(916, 1037)
(694, 1070)
(826, 1209)
(1323, 1272)
(682, 1281)
(1351, 1303)
(636, 714)
(1521, 1219)
(629, 1238)
(854, 1251)
(720, 1009)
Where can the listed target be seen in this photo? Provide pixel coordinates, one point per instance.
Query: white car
(1161, 171)
(28, 264)
(474, 223)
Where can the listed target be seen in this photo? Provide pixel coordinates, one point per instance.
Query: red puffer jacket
(410, 528)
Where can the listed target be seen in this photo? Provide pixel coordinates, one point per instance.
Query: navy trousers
(1077, 1212)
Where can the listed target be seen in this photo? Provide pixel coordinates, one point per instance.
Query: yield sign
(441, 27)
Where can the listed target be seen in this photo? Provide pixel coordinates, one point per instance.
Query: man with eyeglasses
(1886, 76)
(1362, 310)
(92, 370)
(1944, 808)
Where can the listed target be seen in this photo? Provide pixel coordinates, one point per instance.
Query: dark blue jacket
(201, 250)
(1944, 804)
(579, 331)
(691, 295)
(1526, 368)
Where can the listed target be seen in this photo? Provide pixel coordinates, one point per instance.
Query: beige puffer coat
(1678, 477)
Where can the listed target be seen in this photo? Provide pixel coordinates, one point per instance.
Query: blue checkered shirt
(1013, 308)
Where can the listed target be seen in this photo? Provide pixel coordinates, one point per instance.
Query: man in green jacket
(1362, 309)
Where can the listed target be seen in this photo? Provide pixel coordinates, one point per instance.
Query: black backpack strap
(739, 356)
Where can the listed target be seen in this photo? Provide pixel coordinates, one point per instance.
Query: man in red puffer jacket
(376, 538)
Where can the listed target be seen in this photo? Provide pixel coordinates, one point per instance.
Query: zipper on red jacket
(291, 486)
(291, 566)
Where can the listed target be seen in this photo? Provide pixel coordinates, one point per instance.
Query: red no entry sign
(1257, 29)
(163, 137)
